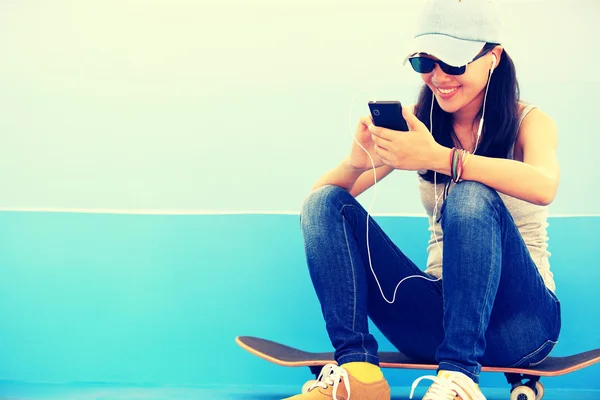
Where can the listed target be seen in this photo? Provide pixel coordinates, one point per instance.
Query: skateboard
(525, 382)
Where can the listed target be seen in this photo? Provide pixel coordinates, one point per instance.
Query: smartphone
(388, 114)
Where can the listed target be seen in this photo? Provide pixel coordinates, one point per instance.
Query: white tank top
(530, 219)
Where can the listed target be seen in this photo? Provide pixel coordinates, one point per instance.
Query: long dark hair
(501, 115)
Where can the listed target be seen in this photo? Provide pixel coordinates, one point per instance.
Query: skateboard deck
(287, 356)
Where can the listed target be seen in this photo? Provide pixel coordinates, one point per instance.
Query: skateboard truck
(531, 389)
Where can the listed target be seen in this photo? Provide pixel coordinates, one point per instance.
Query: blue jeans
(491, 307)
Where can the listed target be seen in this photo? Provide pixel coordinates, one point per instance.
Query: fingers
(414, 124)
(381, 142)
(384, 154)
(365, 121)
(382, 133)
(375, 130)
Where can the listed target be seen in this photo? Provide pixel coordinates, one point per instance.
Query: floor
(21, 391)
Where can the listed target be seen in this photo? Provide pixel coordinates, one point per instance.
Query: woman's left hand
(412, 150)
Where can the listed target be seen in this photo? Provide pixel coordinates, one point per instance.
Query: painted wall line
(216, 212)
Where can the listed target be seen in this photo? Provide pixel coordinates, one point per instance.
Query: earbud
(484, 102)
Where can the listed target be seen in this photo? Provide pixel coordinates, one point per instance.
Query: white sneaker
(450, 385)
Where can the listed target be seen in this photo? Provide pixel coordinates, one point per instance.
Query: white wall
(231, 105)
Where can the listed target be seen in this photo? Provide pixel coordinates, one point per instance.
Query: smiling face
(461, 92)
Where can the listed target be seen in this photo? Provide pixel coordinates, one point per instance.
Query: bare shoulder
(537, 121)
(537, 129)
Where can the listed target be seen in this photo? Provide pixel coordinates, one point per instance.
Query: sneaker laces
(331, 375)
(449, 385)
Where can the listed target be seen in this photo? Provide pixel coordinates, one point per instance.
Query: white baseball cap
(455, 31)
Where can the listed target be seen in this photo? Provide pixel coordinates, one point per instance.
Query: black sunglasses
(425, 65)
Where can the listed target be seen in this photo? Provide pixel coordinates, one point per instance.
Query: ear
(496, 56)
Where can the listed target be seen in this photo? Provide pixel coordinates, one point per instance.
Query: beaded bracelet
(458, 159)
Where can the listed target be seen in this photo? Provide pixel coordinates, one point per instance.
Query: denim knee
(470, 201)
(320, 203)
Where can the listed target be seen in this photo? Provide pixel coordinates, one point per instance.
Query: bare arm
(344, 175)
(535, 179)
(366, 180)
(355, 173)
(352, 179)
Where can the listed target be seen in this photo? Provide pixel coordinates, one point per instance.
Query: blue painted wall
(159, 299)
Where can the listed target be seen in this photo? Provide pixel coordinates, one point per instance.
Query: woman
(487, 172)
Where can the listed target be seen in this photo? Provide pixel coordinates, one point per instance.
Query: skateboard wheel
(307, 386)
(539, 389)
(522, 393)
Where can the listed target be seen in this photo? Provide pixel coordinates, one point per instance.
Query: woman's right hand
(358, 157)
